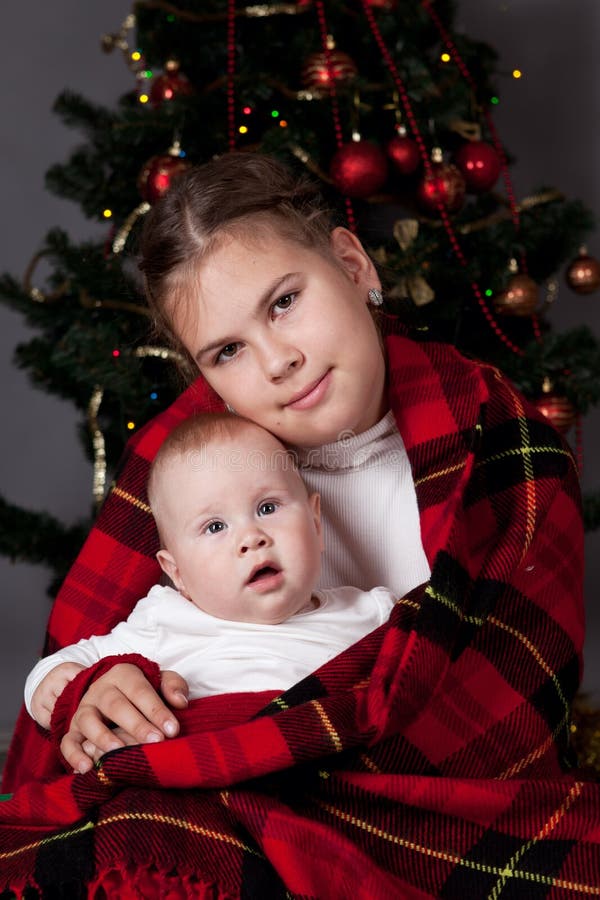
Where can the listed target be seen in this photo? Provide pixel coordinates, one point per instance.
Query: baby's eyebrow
(264, 300)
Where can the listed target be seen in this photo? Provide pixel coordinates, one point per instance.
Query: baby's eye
(215, 527)
(228, 352)
(267, 508)
(284, 303)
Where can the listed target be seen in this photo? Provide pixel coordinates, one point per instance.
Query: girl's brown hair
(218, 198)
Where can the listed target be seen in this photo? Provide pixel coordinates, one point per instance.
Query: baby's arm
(47, 680)
(41, 704)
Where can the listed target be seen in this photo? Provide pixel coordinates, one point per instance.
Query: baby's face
(243, 538)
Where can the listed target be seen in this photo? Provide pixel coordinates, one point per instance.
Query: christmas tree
(385, 105)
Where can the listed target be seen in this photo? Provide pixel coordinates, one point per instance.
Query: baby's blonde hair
(195, 435)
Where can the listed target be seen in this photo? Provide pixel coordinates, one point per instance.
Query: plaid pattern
(430, 759)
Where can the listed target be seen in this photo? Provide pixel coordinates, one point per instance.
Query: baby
(241, 542)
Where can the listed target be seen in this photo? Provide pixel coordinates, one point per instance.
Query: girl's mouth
(312, 394)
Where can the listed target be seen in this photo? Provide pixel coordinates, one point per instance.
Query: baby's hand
(49, 690)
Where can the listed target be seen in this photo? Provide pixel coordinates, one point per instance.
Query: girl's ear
(352, 256)
(169, 567)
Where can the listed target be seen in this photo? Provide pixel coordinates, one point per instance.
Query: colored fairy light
(247, 110)
(243, 129)
(136, 56)
(275, 113)
(131, 426)
(489, 293)
(182, 154)
(517, 73)
(283, 123)
(170, 17)
(116, 353)
(144, 98)
(107, 213)
(154, 395)
(495, 101)
(445, 57)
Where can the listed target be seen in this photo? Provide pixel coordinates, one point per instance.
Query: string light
(283, 123)
(154, 395)
(275, 113)
(136, 56)
(495, 101)
(131, 426)
(445, 57)
(116, 353)
(243, 129)
(489, 293)
(107, 213)
(247, 110)
(517, 73)
(144, 98)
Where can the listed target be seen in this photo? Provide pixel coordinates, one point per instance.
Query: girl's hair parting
(218, 198)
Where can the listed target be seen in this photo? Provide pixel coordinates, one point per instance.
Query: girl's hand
(123, 697)
(49, 690)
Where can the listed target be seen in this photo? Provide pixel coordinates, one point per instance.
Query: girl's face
(283, 334)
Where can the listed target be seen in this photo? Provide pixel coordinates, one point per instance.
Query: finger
(145, 713)
(89, 749)
(175, 689)
(89, 724)
(70, 747)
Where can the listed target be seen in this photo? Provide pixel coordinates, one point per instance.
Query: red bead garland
(408, 111)
(231, 134)
(337, 124)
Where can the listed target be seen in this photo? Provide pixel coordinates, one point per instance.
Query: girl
(434, 751)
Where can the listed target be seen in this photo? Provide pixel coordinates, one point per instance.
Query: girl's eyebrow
(263, 300)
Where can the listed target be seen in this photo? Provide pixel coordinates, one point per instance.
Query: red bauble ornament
(157, 174)
(479, 164)
(359, 169)
(317, 76)
(404, 154)
(172, 83)
(560, 411)
(445, 184)
(583, 274)
(520, 298)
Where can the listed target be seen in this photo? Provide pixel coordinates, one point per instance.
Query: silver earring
(375, 297)
(229, 408)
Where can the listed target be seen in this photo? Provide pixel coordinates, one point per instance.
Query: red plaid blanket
(430, 759)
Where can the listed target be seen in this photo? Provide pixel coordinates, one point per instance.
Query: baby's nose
(252, 541)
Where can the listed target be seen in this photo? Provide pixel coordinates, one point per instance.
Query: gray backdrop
(549, 120)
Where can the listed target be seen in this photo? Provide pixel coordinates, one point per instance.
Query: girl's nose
(280, 361)
(254, 539)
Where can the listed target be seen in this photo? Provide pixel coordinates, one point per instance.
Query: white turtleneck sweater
(369, 509)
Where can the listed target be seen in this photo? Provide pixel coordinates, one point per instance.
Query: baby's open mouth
(261, 573)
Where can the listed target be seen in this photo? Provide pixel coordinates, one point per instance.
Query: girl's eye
(228, 352)
(215, 527)
(267, 508)
(283, 304)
